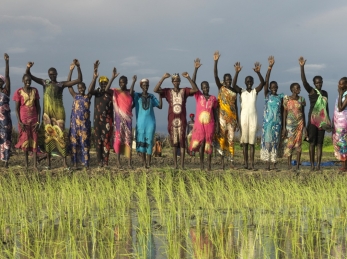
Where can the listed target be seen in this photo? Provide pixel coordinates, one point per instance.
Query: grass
(173, 214)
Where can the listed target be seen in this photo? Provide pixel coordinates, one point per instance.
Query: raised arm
(271, 60)
(72, 67)
(7, 75)
(307, 86)
(216, 56)
(256, 69)
(113, 77)
(197, 64)
(238, 68)
(34, 78)
(132, 85)
(194, 88)
(79, 79)
(95, 76)
(157, 88)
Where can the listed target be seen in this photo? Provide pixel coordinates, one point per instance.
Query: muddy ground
(17, 163)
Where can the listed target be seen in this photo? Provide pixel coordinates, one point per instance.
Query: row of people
(113, 113)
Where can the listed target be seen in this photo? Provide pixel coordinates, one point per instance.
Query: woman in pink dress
(206, 115)
(122, 111)
(28, 111)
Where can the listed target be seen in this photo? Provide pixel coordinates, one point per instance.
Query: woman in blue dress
(80, 125)
(272, 121)
(145, 120)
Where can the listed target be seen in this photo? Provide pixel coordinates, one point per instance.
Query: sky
(151, 37)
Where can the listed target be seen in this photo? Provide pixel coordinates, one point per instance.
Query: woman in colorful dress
(80, 125)
(122, 119)
(5, 114)
(293, 124)
(272, 120)
(177, 118)
(28, 112)
(51, 132)
(340, 124)
(227, 115)
(204, 126)
(103, 118)
(249, 117)
(145, 120)
(315, 128)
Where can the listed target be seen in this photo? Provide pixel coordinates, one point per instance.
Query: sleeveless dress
(248, 116)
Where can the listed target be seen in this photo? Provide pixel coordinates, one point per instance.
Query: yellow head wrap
(103, 79)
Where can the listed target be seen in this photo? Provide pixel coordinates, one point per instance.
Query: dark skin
(273, 90)
(249, 83)
(146, 158)
(27, 89)
(228, 84)
(7, 83)
(82, 88)
(53, 77)
(341, 105)
(295, 96)
(318, 83)
(105, 88)
(205, 88)
(123, 87)
(176, 81)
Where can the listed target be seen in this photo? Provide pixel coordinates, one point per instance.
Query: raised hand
(166, 75)
(185, 74)
(77, 63)
(134, 78)
(271, 60)
(72, 66)
(96, 64)
(96, 74)
(197, 63)
(216, 55)
(302, 61)
(114, 73)
(237, 67)
(257, 67)
(6, 57)
(30, 64)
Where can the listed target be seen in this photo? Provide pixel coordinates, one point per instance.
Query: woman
(249, 117)
(177, 118)
(80, 126)
(293, 124)
(340, 124)
(51, 132)
(206, 113)
(28, 112)
(122, 106)
(318, 117)
(5, 114)
(272, 120)
(227, 115)
(103, 118)
(145, 120)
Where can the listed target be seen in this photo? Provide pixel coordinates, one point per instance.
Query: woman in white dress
(248, 111)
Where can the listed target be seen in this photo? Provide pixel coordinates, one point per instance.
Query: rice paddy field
(165, 213)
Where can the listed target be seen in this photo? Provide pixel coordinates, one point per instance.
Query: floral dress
(5, 126)
(294, 124)
(272, 125)
(340, 131)
(80, 130)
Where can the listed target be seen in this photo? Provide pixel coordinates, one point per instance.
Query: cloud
(217, 21)
(146, 71)
(308, 68)
(131, 62)
(175, 49)
(335, 17)
(16, 50)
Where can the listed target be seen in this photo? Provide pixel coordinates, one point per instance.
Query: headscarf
(144, 80)
(3, 78)
(103, 79)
